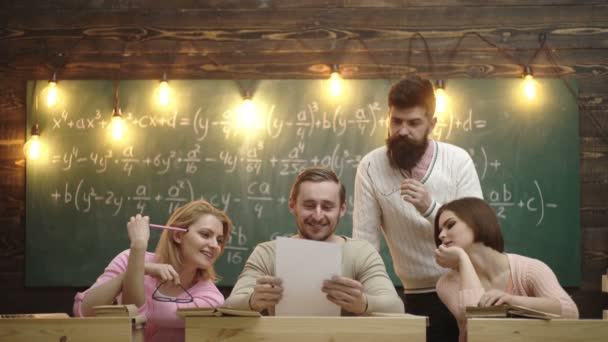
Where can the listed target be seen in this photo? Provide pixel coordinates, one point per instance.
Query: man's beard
(405, 153)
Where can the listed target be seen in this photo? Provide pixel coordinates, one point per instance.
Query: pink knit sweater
(162, 324)
(530, 278)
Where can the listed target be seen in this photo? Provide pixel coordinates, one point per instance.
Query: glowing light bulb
(335, 81)
(441, 101)
(163, 92)
(441, 98)
(529, 87)
(529, 83)
(247, 115)
(32, 147)
(51, 94)
(118, 126)
(335, 84)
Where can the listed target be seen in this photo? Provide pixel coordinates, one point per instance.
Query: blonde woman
(179, 274)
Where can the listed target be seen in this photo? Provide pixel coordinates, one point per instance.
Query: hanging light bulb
(118, 126)
(441, 98)
(335, 80)
(51, 91)
(529, 83)
(247, 113)
(163, 91)
(31, 148)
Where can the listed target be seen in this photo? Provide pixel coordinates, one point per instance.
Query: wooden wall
(262, 39)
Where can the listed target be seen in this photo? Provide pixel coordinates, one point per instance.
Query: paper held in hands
(303, 265)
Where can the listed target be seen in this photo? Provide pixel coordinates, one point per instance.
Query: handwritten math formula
(199, 148)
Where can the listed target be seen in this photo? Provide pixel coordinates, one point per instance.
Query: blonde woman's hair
(167, 250)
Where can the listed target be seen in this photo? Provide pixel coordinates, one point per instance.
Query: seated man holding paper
(332, 273)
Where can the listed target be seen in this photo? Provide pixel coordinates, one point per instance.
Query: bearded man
(398, 189)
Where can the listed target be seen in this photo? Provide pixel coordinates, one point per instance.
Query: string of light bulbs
(246, 113)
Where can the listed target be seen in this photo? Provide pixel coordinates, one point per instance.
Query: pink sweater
(530, 278)
(162, 322)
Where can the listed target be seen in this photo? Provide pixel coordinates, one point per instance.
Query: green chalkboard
(84, 187)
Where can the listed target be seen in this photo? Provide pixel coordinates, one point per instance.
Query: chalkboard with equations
(84, 187)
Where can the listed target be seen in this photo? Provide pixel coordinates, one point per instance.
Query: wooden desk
(305, 329)
(523, 330)
(102, 329)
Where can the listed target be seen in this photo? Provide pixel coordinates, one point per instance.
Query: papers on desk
(303, 265)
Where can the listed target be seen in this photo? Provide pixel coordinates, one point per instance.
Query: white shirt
(409, 234)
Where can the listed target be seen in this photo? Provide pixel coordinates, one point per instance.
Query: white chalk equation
(484, 163)
(85, 197)
(251, 159)
(503, 198)
(262, 163)
(450, 122)
(311, 119)
(237, 248)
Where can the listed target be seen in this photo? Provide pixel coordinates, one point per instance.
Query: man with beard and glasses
(317, 200)
(398, 190)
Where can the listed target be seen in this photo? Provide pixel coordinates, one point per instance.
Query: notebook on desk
(506, 310)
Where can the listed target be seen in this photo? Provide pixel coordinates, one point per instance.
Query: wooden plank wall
(262, 39)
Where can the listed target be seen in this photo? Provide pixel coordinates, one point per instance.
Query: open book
(507, 311)
(221, 311)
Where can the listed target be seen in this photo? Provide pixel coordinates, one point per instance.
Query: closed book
(115, 310)
(506, 310)
(235, 312)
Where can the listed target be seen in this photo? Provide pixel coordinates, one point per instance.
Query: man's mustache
(402, 140)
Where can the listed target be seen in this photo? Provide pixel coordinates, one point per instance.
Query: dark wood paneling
(590, 61)
(589, 298)
(595, 256)
(140, 68)
(171, 39)
(264, 4)
(593, 123)
(439, 18)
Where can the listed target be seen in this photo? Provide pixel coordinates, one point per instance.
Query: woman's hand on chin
(449, 257)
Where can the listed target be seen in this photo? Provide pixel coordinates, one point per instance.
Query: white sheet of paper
(303, 265)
